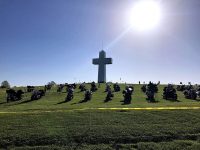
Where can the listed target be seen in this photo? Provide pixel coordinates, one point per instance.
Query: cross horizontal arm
(108, 60)
(95, 61)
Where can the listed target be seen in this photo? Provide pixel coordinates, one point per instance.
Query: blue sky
(45, 40)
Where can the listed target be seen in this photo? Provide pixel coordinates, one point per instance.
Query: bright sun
(145, 15)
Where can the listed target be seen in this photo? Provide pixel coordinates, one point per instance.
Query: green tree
(5, 84)
(52, 83)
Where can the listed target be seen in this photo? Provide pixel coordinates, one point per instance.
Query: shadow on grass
(80, 102)
(65, 101)
(125, 103)
(3, 103)
(79, 91)
(27, 101)
(172, 100)
(107, 100)
(74, 103)
(152, 101)
(83, 101)
(24, 102)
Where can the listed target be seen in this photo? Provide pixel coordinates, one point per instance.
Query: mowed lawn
(51, 123)
(55, 101)
(172, 129)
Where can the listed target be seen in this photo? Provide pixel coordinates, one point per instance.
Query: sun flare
(145, 14)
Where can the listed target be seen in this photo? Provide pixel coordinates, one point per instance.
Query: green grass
(98, 129)
(109, 129)
(55, 101)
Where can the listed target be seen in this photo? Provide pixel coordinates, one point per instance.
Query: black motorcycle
(127, 93)
(88, 95)
(70, 94)
(13, 95)
(109, 96)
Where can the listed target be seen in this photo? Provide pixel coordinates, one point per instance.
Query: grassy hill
(51, 123)
(55, 101)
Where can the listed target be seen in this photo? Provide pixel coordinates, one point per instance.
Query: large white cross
(102, 61)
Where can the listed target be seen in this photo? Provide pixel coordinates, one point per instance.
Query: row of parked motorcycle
(169, 92)
(190, 91)
(15, 95)
(89, 92)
